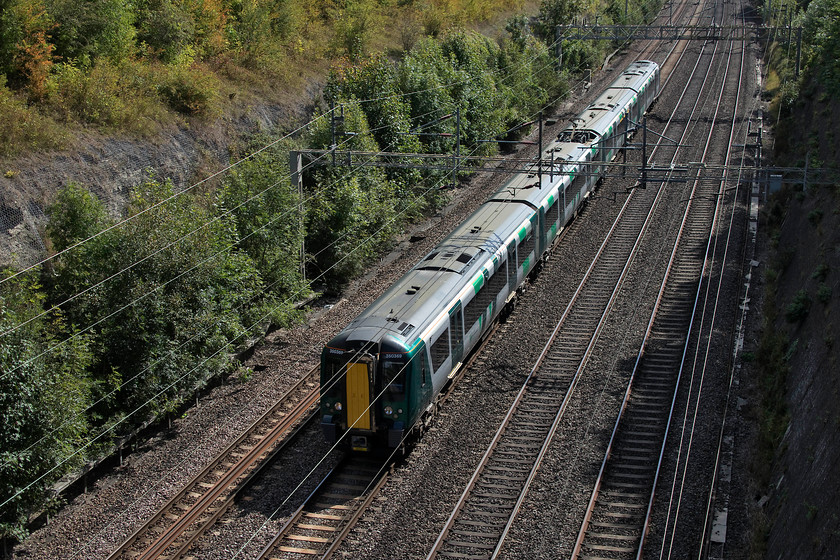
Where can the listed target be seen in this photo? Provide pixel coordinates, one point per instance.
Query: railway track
(330, 512)
(497, 492)
(619, 512)
(491, 500)
(690, 477)
(186, 516)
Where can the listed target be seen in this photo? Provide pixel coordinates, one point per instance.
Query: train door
(543, 239)
(587, 169)
(456, 323)
(358, 394)
(511, 266)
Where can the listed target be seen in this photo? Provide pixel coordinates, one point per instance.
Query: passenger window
(525, 248)
(552, 216)
(440, 350)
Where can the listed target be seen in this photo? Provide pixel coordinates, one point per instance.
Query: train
(381, 377)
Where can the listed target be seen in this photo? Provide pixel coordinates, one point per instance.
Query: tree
(33, 53)
(373, 81)
(821, 38)
(44, 394)
(557, 12)
(267, 214)
(75, 215)
(166, 294)
(93, 28)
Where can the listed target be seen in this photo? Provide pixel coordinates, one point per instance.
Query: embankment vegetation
(132, 314)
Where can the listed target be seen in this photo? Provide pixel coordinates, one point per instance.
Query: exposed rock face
(111, 165)
(107, 166)
(807, 494)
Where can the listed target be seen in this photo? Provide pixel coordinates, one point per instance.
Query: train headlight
(388, 411)
(399, 411)
(337, 406)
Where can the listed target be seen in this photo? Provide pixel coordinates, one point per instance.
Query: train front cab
(370, 398)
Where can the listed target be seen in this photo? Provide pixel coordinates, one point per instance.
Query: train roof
(407, 308)
(597, 120)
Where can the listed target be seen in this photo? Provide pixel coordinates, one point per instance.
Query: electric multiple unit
(381, 375)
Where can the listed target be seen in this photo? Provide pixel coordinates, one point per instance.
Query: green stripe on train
(478, 283)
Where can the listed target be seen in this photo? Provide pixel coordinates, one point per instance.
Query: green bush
(355, 27)
(476, 92)
(821, 272)
(824, 293)
(190, 90)
(190, 298)
(798, 309)
(494, 86)
(252, 34)
(821, 42)
(169, 28)
(350, 222)
(75, 215)
(105, 95)
(93, 29)
(557, 12)
(374, 82)
(426, 71)
(269, 219)
(11, 32)
(165, 27)
(350, 216)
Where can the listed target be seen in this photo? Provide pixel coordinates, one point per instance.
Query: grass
(24, 128)
(143, 93)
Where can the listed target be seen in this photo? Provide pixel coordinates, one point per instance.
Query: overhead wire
(372, 236)
(225, 170)
(79, 332)
(258, 321)
(112, 427)
(420, 197)
(335, 380)
(211, 257)
(159, 203)
(337, 444)
(182, 377)
(214, 219)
